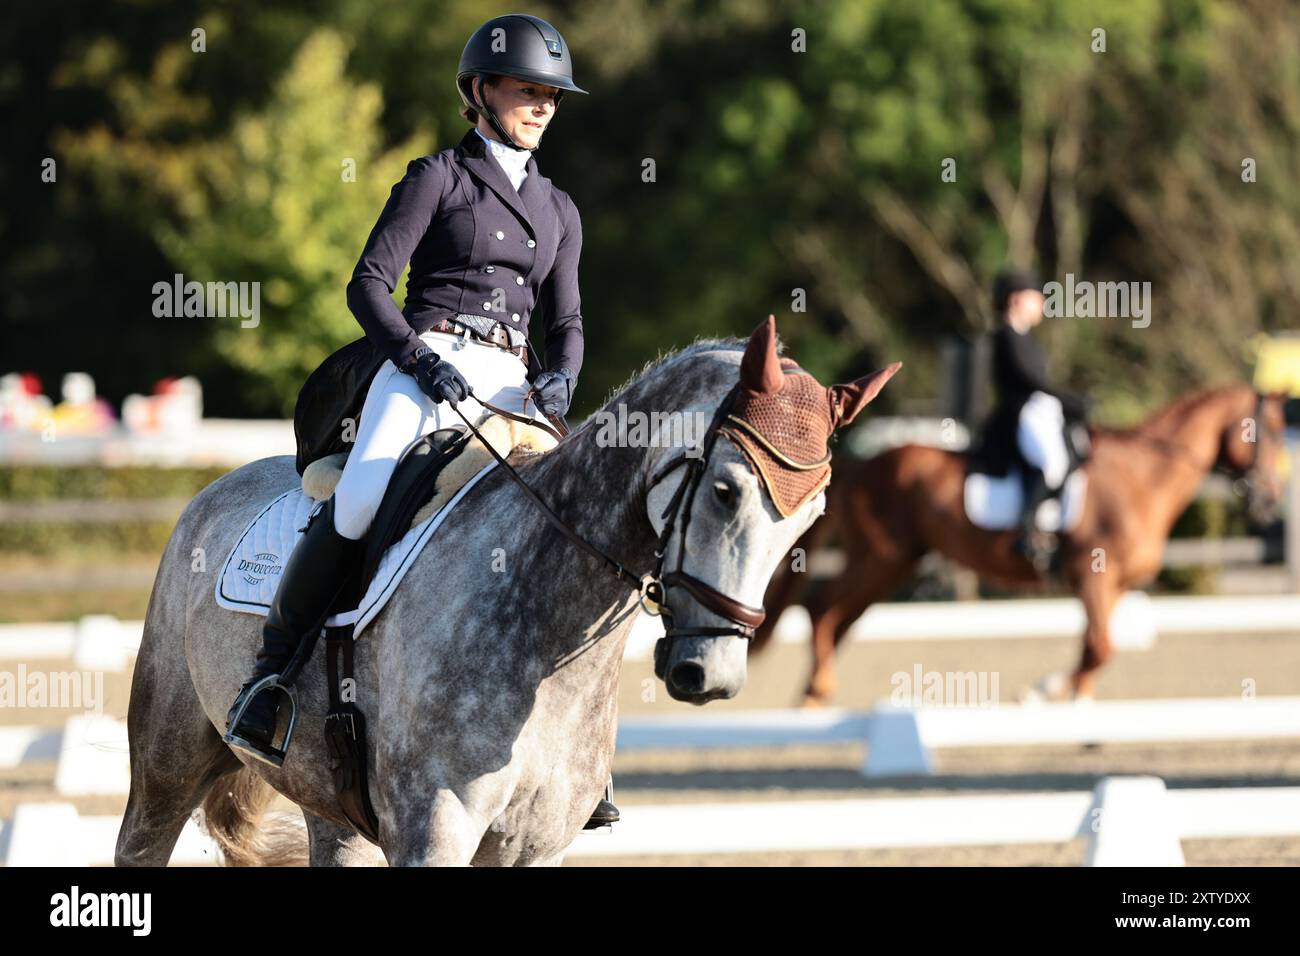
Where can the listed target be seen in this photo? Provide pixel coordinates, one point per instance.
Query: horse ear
(760, 369)
(847, 400)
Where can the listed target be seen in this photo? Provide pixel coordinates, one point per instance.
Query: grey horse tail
(787, 586)
(233, 814)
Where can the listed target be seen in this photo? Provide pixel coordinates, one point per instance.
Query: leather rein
(651, 587)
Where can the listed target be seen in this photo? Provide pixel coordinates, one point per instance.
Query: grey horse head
(751, 504)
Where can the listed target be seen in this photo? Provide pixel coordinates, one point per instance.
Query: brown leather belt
(498, 337)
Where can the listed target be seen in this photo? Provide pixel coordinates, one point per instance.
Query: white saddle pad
(251, 574)
(994, 504)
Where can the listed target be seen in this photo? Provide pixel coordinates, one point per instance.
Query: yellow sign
(1277, 364)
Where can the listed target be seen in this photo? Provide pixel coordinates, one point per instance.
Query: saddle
(332, 396)
(996, 454)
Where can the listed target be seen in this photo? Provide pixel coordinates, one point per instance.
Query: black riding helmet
(1009, 281)
(518, 46)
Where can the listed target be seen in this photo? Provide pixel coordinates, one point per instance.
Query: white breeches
(396, 414)
(1040, 436)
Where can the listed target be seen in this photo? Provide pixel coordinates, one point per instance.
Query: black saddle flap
(333, 393)
(408, 491)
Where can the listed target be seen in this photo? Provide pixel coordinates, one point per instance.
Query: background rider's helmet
(519, 46)
(1013, 280)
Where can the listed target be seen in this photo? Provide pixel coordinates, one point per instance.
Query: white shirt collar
(512, 161)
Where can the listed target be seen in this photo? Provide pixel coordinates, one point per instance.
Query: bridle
(744, 618)
(1262, 431)
(651, 587)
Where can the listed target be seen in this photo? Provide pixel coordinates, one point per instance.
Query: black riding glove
(554, 391)
(437, 379)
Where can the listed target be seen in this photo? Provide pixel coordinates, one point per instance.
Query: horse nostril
(688, 678)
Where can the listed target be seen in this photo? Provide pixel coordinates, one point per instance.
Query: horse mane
(1176, 411)
(670, 359)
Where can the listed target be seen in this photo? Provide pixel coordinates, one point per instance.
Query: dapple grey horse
(489, 681)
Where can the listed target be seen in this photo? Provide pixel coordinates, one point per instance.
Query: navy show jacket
(475, 245)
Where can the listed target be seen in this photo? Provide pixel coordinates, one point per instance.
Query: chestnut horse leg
(836, 606)
(1099, 593)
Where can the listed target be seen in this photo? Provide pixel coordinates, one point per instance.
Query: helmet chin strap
(491, 115)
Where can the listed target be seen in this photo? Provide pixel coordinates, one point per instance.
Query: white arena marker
(100, 644)
(809, 825)
(1133, 623)
(94, 757)
(745, 728)
(33, 642)
(20, 745)
(1132, 823)
(1237, 812)
(894, 746)
(46, 834)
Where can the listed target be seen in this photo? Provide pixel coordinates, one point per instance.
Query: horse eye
(723, 491)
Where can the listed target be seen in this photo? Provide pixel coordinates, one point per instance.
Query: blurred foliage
(37, 483)
(106, 543)
(776, 171)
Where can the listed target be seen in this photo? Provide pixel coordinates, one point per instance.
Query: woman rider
(489, 241)
(1030, 408)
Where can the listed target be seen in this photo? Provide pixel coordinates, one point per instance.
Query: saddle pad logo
(262, 566)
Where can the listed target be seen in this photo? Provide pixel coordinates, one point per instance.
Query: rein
(556, 428)
(651, 586)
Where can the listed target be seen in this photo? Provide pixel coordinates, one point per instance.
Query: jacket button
(487, 306)
(500, 234)
(490, 269)
(519, 280)
(515, 316)
(531, 242)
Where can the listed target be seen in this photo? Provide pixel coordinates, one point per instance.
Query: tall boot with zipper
(316, 573)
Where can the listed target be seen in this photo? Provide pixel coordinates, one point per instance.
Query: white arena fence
(1126, 820)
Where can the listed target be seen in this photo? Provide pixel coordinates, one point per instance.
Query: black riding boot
(605, 813)
(1030, 542)
(314, 576)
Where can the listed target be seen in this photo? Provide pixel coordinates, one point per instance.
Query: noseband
(652, 587)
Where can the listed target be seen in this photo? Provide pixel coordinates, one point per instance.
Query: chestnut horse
(889, 511)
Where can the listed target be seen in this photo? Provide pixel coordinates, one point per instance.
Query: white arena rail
(1136, 622)
(899, 739)
(92, 753)
(1126, 821)
(96, 642)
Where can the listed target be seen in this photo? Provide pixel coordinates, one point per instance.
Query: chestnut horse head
(1251, 451)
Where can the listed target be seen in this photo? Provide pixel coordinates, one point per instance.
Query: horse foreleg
(835, 609)
(176, 753)
(336, 844)
(1099, 596)
(442, 833)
